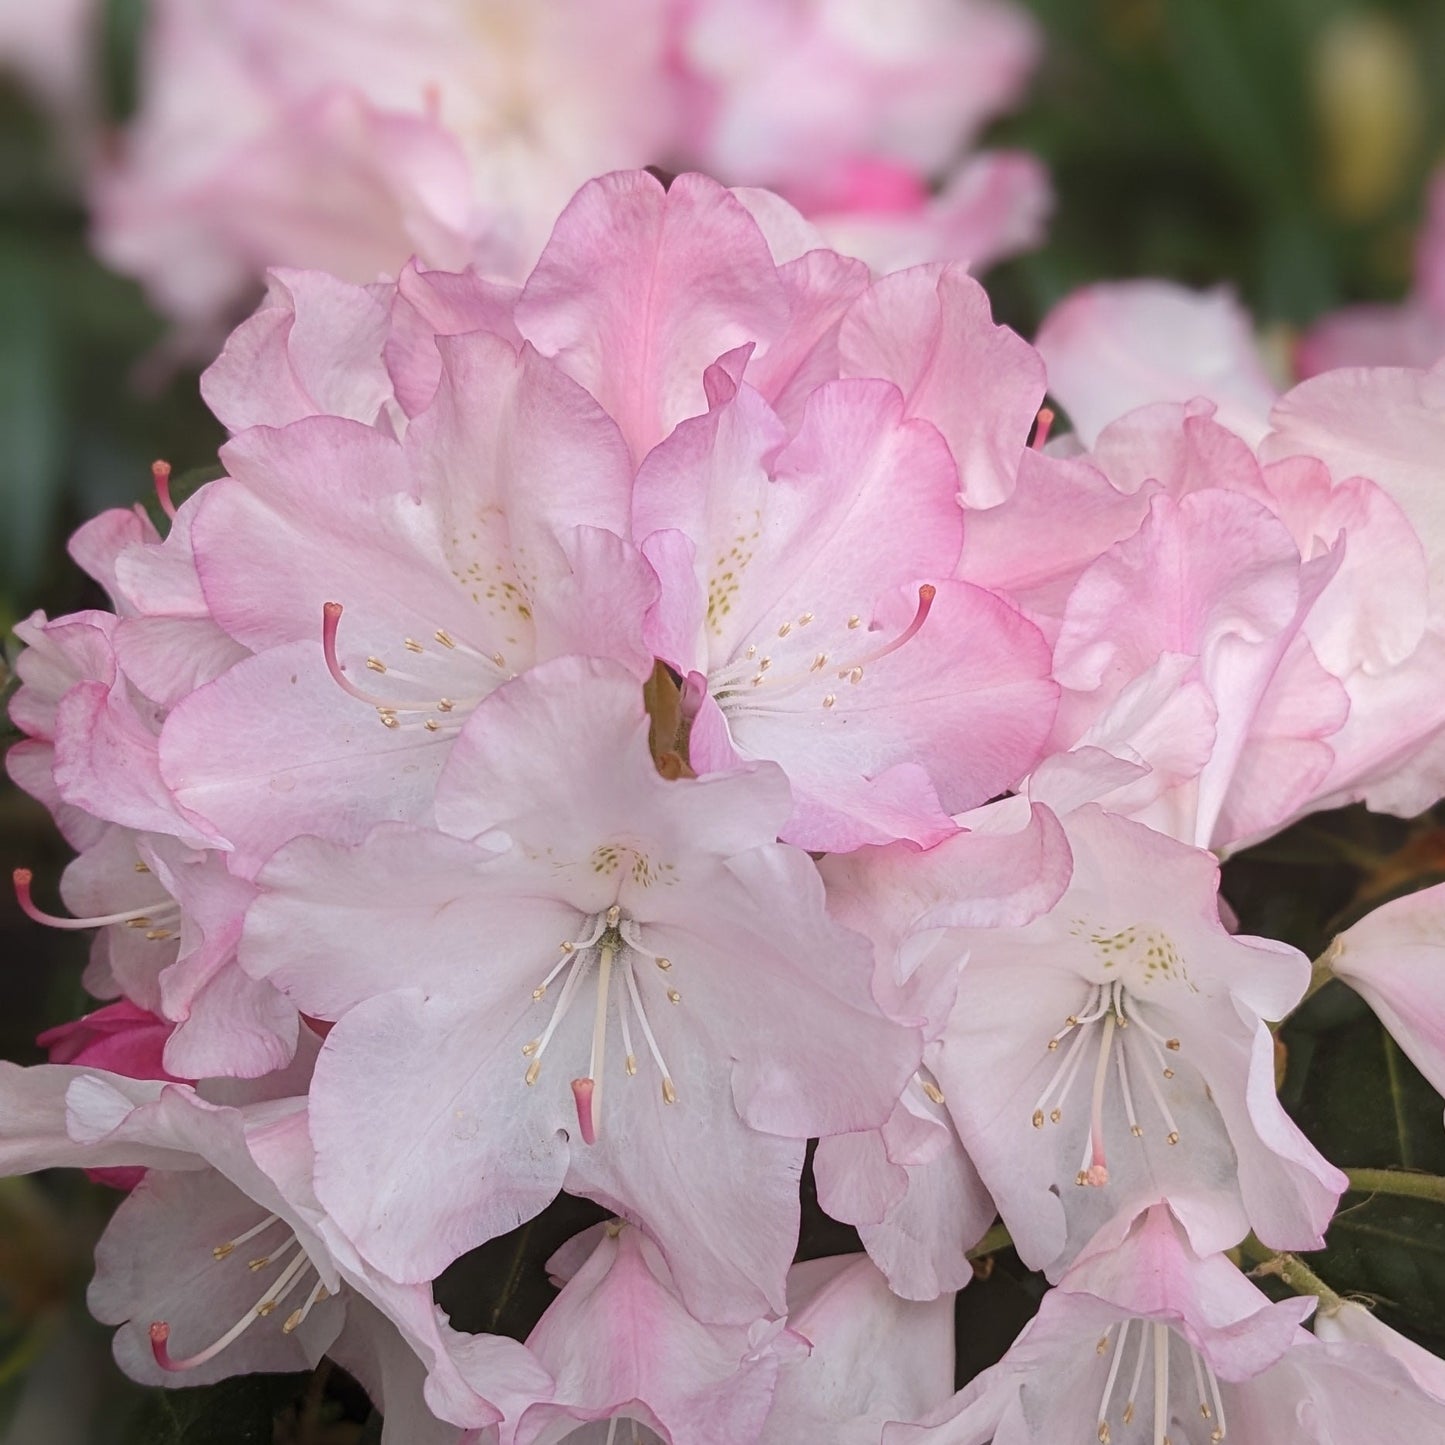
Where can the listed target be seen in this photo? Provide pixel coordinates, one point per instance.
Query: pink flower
(405, 580)
(1151, 1336)
(458, 137)
(1113, 347)
(1348, 1321)
(691, 945)
(796, 597)
(665, 1373)
(1112, 1052)
(910, 1187)
(874, 1357)
(1410, 334)
(1392, 958)
(224, 1231)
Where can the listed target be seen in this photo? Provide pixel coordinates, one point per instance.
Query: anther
(829, 699)
(669, 1094)
(785, 629)
(444, 637)
(1038, 1118)
(613, 914)
(412, 645)
(664, 963)
(141, 867)
(805, 619)
(933, 1091)
(445, 704)
(376, 664)
(630, 1064)
(855, 621)
(673, 996)
(533, 1070)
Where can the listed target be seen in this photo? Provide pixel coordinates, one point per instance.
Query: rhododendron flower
(1151, 1342)
(457, 133)
(791, 597)
(1113, 347)
(1393, 959)
(874, 1357)
(1348, 1321)
(666, 1376)
(1410, 334)
(909, 1187)
(1112, 1052)
(577, 917)
(222, 1233)
(405, 580)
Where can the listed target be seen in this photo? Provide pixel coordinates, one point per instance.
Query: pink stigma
(23, 878)
(926, 593)
(1097, 1176)
(582, 1090)
(1042, 428)
(330, 621)
(160, 1335)
(161, 473)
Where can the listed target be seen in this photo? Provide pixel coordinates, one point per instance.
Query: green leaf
(238, 1411)
(1364, 1105)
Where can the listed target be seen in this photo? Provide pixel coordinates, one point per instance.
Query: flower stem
(1401, 1182)
(1293, 1271)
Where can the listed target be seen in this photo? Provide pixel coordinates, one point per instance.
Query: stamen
(1109, 1383)
(1128, 1416)
(669, 1094)
(137, 918)
(1134, 1128)
(559, 1012)
(1218, 1433)
(161, 476)
(222, 1250)
(1204, 1411)
(160, 1331)
(1061, 1082)
(297, 1318)
(1173, 1136)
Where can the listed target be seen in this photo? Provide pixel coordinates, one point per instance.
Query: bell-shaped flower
(220, 1261)
(796, 595)
(910, 1188)
(1113, 1052)
(1346, 1321)
(627, 1354)
(1150, 1342)
(873, 1357)
(589, 977)
(1394, 958)
(404, 581)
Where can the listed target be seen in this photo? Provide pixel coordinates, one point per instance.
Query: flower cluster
(350, 134)
(606, 732)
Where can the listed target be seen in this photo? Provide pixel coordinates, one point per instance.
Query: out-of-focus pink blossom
(344, 135)
(1410, 334)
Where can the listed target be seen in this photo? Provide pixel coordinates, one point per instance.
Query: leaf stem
(1295, 1273)
(1401, 1182)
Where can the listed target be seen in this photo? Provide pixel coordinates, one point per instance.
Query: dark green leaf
(238, 1411)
